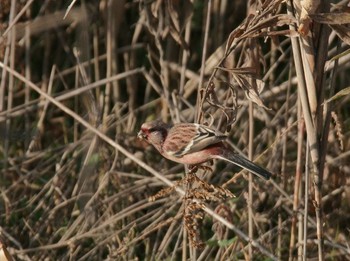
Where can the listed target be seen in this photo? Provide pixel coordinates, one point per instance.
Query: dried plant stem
(284, 164)
(297, 191)
(250, 185)
(328, 108)
(116, 64)
(296, 184)
(14, 20)
(204, 55)
(306, 201)
(279, 237)
(75, 92)
(12, 37)
(180, 235)
(111, 64)
(304, 74)
(184, 244)
(129, 155)
(251, 8)
(3, 82)
(300, 232)
(27, 75)
(185, 56)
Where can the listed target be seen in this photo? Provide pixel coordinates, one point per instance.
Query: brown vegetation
(77, 82)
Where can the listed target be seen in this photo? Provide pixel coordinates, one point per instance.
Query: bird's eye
(153, 129)
(158, 130)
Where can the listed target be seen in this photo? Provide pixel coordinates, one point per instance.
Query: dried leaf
(178, 38)
(310, 6)
(230, 107)
(180, 13)
(261, 28)
(246, 78)
(155, 6)
(254, 97)
(339, 94)
(331, 18)
(277, 20)
(270, 6)
(242, 70)
(338, 56)
(337, 21)
(343, 32)
(251, 92)
(161, 27)
(287, 32)
(235, 34)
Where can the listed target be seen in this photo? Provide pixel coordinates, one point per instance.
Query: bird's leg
(205, 168)
(192, 169)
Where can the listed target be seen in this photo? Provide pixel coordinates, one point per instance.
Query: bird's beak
(141, 135)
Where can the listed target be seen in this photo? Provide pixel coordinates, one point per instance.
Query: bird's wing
(186, 138)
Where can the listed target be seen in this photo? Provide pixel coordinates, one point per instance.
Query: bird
(193, 144)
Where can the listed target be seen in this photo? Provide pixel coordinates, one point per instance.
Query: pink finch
(193, 144)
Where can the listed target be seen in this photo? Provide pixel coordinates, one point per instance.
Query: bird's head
(153, 132)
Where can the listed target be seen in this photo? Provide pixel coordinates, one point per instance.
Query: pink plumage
(193, 144)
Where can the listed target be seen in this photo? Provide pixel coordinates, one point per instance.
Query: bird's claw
(192, 169)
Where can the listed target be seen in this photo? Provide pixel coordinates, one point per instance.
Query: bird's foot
(192, 169)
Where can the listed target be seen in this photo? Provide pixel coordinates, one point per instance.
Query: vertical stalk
(11, 86)
(185, 56)
(4, 79)
(184, 245)
(301, 131)
(27, 43)
(250, 186)
(297, 184)
(306, 198)
(305, 85)
(279, 237)
(204, 55)
(252, 56)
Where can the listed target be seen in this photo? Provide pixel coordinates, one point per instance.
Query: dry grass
(76, 183)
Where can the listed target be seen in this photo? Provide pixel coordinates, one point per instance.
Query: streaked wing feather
(201, 137)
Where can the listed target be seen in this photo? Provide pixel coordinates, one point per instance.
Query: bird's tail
(246, 164)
